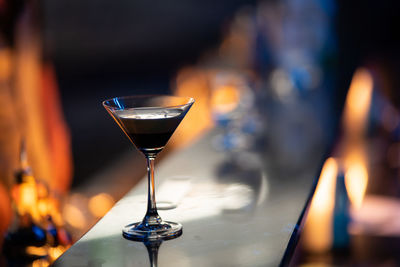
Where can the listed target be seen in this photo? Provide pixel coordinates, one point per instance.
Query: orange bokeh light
(100, 204)
(318, 228)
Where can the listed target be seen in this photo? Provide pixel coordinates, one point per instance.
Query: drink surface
(150, 128)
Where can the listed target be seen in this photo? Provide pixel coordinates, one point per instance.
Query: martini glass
(149, 122)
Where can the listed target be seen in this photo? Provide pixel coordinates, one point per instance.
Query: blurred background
(103, 49)
(288, 77)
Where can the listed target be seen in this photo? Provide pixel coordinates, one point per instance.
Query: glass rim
(190, 100)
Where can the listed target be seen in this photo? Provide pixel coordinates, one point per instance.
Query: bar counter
(236, 209)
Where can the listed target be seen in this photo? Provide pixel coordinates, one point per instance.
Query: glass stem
(151, 218)
(152, 249)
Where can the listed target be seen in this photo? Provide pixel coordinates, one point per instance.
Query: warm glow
(55, 252)
(5, 63)
(358, 102)
(26, 198)
(57, 132)
(100, 204)
(325, 187)
(40, 263)
(354, 152)
(49, 254)
(356, 179)
(36, 251)
(35, 205)
(318, 228)
(194, 83)
(224, 99)
(50, 206)
(74, 216)
(42, 190)
(43, 207)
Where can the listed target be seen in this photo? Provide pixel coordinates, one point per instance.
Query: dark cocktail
(149, 122)
(150, 128)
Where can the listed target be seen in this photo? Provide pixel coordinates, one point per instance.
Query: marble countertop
(236, 210)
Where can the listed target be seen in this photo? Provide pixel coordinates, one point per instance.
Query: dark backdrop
(103, 49)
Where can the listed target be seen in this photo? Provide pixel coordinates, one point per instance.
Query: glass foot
(141, 232)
